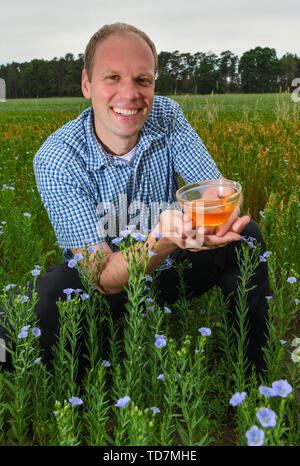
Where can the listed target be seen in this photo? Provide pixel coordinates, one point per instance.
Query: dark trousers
(209, 267)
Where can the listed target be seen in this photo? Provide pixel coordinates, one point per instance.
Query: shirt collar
(97, 158)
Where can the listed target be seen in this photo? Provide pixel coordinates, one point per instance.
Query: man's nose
(129, 89)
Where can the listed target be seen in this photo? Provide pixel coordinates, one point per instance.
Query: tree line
(258, 70)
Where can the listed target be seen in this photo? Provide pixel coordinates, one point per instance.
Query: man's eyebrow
(110, 71)
(143, 73)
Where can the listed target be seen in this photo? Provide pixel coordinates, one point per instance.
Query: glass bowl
(210, 202)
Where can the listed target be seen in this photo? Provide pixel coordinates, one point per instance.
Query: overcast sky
(46, 29)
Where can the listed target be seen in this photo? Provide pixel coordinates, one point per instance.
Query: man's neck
(119, 147)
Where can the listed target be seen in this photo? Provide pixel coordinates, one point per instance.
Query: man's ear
(85, 85)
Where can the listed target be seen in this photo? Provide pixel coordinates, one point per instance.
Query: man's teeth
(125, 112)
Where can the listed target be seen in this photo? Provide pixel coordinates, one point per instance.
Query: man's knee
(57, 278)
(251, 231)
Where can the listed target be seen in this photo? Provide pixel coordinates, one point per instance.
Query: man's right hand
(177, 228)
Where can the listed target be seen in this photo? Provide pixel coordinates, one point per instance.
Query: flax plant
(22, 345)
(170, 395)
(134, 333)
(193, 427)
(248, 261)
(66, 415)
(97, 406)
(2, 408)
(42, 402)
(67, 349)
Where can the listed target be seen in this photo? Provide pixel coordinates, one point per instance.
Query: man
(133, 144)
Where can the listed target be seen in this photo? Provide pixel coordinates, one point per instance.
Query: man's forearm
(114, 274)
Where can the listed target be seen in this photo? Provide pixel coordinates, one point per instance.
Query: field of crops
(188, 386)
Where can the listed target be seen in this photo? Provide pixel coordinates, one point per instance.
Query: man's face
(121, 89)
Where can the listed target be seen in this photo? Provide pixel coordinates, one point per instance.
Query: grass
(253, 139)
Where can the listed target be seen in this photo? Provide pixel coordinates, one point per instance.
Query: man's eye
(113, 77)
(144, 80)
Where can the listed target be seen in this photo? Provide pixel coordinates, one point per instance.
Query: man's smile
(125, 111)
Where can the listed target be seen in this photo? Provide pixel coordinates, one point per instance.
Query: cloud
(43, 29)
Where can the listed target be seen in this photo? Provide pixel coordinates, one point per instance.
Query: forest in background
(258, 70)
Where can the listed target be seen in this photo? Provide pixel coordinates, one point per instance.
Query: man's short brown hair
(104, 32)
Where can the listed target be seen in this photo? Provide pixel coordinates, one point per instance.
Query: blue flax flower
(72, 263)
(148, 277)
(255, 437)
(282, 388)
(261, 213)
(155, 409)
(84, 296)
(268, 392)
(91, 249)
(37, 361)
(267, 253)
(151, 253)
(161, 377)
(237, 399)
(125, 233)
(7, 287)
(160, 341)
(36, 332)
(24, 332)
(78, 256)
(35, 272)
(168, 311)
(205, 331)
(266, 417)
(122, 402)
(139, 237)
(68, 291)
(75, 401)
(291, 280)
(105, 363)
(22, 299)
(117, 240)
(149, 300)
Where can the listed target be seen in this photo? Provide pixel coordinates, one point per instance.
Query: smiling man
(120, 83)
(133, 145)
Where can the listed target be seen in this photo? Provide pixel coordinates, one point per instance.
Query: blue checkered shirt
(84, 189)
